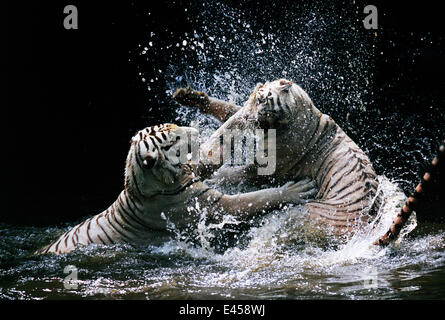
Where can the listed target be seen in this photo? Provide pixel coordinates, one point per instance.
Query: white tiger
(308, 144)
(159, 189)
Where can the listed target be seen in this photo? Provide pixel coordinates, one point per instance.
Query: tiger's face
(279, 102)
(157, 159)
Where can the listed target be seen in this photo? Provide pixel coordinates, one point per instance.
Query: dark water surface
(267, 268)
(283, 256)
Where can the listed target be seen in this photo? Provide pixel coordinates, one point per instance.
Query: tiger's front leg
(247, 205)
(220, 109)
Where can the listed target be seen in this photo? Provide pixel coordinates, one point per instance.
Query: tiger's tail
(414, 199)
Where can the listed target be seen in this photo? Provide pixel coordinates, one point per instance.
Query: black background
(73, 100)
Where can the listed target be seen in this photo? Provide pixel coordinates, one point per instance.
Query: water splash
(329, 57)
(303, 48)
(284, 255)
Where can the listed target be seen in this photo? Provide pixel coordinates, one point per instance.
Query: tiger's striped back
(348, 183)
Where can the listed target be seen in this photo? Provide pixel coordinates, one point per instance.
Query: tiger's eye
(149, 162)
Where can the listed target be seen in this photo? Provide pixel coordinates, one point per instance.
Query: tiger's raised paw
(192, 98)
(299, 192)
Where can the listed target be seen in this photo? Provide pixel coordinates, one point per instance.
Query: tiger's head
(159, 160)
(280, 102)
(286, 107)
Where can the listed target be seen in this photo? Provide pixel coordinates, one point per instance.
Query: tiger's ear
(149, 162)
(285, 84)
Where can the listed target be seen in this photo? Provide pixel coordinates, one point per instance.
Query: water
(284, 255)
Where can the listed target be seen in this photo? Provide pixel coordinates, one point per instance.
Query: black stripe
(332, 215)
(139, 159)
(108, 214)
(177, 190)
(57, 245)
(343, 206)
(133, 211)
(124, 219)
(136, 198)
(365, 175)
(133, 215)
(60, 240)
(136, 183)
(157, 138)
(353, 191)
(328, 169)
(350, 185)
(280, 107)
(128, 197)
(66, 240)
(341, 189)
(77, 237)
(372, 183)
(146, 145)
(349, 221)
(108, 237)
(327, 153)
(344, 174)
(336, 223)
(88, 230)
(75, 230)
(346, 164)
(326, 130)
(314, 133)
(101, 240)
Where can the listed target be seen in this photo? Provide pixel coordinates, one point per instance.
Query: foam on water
(289, 234)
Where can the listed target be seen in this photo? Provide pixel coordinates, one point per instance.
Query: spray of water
(328, 57)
